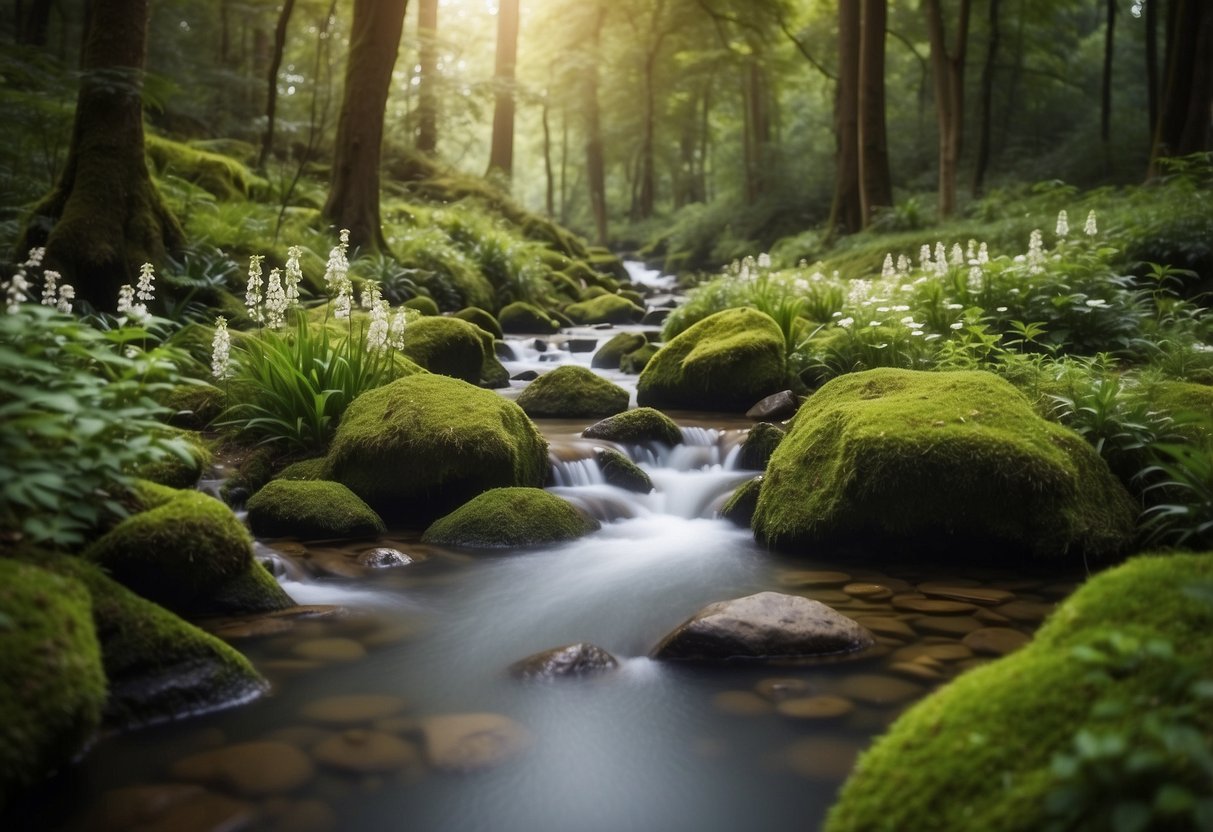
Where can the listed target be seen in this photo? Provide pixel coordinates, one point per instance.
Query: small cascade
(649, 278)
(576, 473)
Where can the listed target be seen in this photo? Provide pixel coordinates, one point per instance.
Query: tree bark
(648, 186)
(271, 90)
(34, 22)
(427, 92)
(1187, 95)
(353, 200)
(594, 156)
(982, 163)
(846, 212)
(949, 70)
(104, 218)
(547, 158)
(1105, 98)
(1152, 62)
(501, 157)
(875, 185)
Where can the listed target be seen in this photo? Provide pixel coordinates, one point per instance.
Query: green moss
(612, 352)
(572, 391)
(506, 517)
(565, 286)
(621, 472)
(479, 317)
(311, 510)
(193, 406)
(524, 319)
(191, 555)
(217, 174)
(175, 472)
(727, 361)
(418, 447)
(1191, 405)
(948, 463)
(252, 472)
(52, 686)
(158, 666)
(606, 262)
(493, 374)
(305, 469)
(742, 503)
(605, 309)
(634, 362)
(447, 346)
(977, 754)
(634, 297)
(759, 444)
(642, 424)
(422, 304)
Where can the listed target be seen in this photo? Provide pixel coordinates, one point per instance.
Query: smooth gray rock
(774, 408)
(581, 659)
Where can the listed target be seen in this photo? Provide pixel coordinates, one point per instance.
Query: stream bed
(647, 746)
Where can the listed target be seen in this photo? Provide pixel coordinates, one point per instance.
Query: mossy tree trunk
(986, 103)
(948, 68)
(104, 218)
(1187, 94)
(594, 154)
(875, 183)
(847, 212)
(501, 154)
(427, 90)
(353, 200)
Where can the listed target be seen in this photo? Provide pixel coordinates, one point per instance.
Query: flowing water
(649, 746)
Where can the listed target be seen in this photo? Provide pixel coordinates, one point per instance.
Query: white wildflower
(1097, 303)
(1001, 309)
(971, 250)
(14, 292)
(941, 255)
(34, 259)
(916, 331)
(887, 271)
(983, 254)
(132, 352)
(1063, 223)
(974, 281)
(293, 275)
(1036, 252)
(378, 331)
(145, 289)
(956, 325)
(275, 301)
(67, 293)
(127, 305)
(954, 307)
(764, 261)
(846, 322)
(336, 273)
(395, 331)
(903, 265)
(924, 257)
(50, 291)
(341, 304)
(1090, 229)
(958, 256)
(221, 350)
(253, 292)
(873, 323)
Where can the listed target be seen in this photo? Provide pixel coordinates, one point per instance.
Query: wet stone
(803, 578)
(932, 606)
(774, 408)
(916, 670)
(383, 557)
(402, 725)
(169, 808)
(363, 752)
(290, 666)
(996, 641)
(741, 703)
(875, 689)
(828, 596)
(525, 375)
(472, 742)
(949, 652)
(946, 625)
(299, 816)
(886, 626)
(776, 690)
(985, 596)
(250, 769)
(581, 659)
(330, 650)
(989, 617)
(822, 758)
(354, 709)
(581, 344)
(300, 736)
(815, 707)
(868, 592)
(1030, 612)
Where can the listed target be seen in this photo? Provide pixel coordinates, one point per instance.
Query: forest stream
(647, 746)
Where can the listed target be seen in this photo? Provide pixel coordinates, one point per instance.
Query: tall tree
(353, 200)
(271, 90)
(875, 183)
(427, 86)
(33, 22)
(1105, 97)
(1187, 94)
(595, 161)
(948, 68)
(501, 155)
(652, 31)
(847, 209)
(1151, 34)
(986, 99)
(104, 217)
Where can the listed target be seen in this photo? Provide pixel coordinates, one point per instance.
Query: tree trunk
(846, 212)
(104, 218)
(1187, 95)
(987, 99)
(1105, 98)
(647, 187)
(427, 92)
(595, 162)
(258, 66)
(353, 200)
(757, 127)
(547, 158)
(501, 157)
(34, 22)
(948, 70)
(271, 90)
(1152, 62)
(564, 166)
(875, 185)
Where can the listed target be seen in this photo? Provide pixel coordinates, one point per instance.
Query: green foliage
(77, 419)
(1180, 493)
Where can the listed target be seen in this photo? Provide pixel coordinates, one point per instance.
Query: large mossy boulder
(521, 318)
(311, 510)
(887, 462)
(179, 471)
(447, 346)
(1078, 725)
(158, 667)
(572, 392)
(636, 427)
(191, 555)
(605, 309)
(52, 686)
(727, 362)
(612, 352)
(481, 318)
(417, 448)
(507, 517)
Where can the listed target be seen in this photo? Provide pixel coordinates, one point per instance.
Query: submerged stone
(580, 659)
(464, 743)
(250, 769)
(365, 752)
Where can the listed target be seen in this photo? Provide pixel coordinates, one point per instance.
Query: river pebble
(876, 689)
(472, 742)
(969, 594)
(822, 758)
(1031, 612)
(298, 816)
(354, 709)
(330, 650)
(932, 606)
(803, 578)
(778, 689)
(868, 592)
(741, 703)
(996, 641)
(363, 752)
(250, 769)
(946, 625)
(383, 557)
(949, 652)
(815, 707)
(916, 670)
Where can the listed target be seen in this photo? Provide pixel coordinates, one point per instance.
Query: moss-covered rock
(447, 346)
(426, 306)
(505, 517)
(979, 753)
(479, 317)
(190, 554)
(158, 666)
(525, 319)
(305, 469)
(955, 464)
(178, 472)
(418, 447)
(311, 510)
(1191, 405)
(216, 173)
(643, 424)
(758, 445)
(621, 472)
(612, 352)
(605, 309)
(193, 406)
(634, 362)
(572, 391)
(52, 686)
(740, 506)
(726, 362)
(253, 470)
